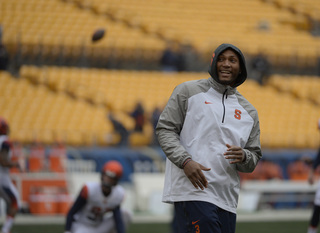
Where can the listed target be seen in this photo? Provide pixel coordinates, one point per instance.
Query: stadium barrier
(276, 194)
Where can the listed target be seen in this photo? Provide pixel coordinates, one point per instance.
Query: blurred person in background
(261, 68)
(121, 130)
(209, 132)
(97, 207)
(139, 117)
(4, 57)
(315, 218)
(8, 191)
(170, 58)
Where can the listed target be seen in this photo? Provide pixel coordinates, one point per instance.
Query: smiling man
(228, 67)
(209, 132)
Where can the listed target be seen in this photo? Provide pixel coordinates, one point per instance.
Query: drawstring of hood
(225, 94)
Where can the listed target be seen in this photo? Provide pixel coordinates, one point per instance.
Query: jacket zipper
(224, 108)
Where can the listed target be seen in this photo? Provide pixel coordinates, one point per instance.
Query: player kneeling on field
(97, 207)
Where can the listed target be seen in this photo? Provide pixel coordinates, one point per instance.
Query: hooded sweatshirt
(200, 118)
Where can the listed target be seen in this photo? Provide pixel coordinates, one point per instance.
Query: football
(98, 35)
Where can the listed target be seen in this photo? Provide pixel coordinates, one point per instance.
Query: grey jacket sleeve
(252, 149)
(170, 125)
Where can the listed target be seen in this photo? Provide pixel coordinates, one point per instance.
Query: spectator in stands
(318, 66)
(119, 128)
(4, 57)
(8, 191)
(98, 206)
(139, 117)
(315, 218)
(170, 58)
(209, 132)
(181, 59)
(261, 68)
(192, 61)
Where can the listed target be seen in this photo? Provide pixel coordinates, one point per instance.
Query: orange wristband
(186, 162)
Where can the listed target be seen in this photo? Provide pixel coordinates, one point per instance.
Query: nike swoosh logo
(194, 222)
(206, 102)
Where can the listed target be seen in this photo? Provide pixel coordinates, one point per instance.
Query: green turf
(272, 227)
(242, 227)
(49, 228)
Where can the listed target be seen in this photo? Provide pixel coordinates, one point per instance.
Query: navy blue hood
(213, 66)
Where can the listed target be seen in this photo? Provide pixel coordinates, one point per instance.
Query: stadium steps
(300, 86)
(285, 121)
(305, 8)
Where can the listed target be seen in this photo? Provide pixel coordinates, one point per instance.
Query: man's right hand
(193, 171)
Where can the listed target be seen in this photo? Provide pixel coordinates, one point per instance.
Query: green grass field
(242, 227)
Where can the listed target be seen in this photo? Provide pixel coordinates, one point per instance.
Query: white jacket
(200, 118)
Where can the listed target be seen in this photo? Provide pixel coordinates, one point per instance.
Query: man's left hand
(235, 154)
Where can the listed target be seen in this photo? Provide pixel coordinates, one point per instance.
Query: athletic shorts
(203, 217)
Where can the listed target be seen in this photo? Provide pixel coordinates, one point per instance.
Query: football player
(8, 191)
(97, 207)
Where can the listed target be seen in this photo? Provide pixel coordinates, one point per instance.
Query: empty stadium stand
(301, 86)
(59, 31)
(52, 102)
(44, 31)
(253, 25)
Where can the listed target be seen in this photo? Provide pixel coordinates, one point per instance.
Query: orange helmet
(113, 169)
(4, 127)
